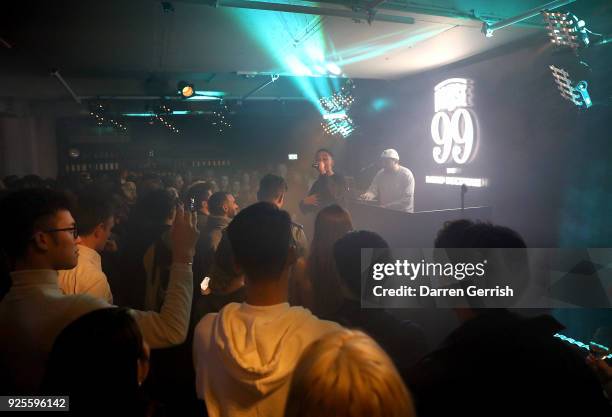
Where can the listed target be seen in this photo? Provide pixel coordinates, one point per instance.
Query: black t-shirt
(331, 189)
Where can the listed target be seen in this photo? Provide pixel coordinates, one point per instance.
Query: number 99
(452, 135)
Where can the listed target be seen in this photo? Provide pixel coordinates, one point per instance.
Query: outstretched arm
(372, 192)
(169, 326)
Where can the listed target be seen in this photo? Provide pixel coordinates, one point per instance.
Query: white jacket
(244, 356)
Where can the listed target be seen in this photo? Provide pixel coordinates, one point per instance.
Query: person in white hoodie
(245, 355)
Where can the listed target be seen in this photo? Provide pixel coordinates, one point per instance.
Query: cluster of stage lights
(99, 115)
(565, 29)
(577, 93)
(336, 120)
(220, 119)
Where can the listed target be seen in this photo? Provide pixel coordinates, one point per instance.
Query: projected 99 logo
(453, 129)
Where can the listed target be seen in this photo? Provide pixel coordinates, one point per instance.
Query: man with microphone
(329, 188)
(393, 186)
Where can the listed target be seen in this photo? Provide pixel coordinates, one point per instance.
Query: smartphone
(192, 206)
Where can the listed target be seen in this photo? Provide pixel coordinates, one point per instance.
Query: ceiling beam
(433, 13)
(178, 98)
(489, 29)
(315, 10)
(374, 4)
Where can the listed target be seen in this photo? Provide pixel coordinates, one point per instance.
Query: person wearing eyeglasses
(95, 219)
(39, 237)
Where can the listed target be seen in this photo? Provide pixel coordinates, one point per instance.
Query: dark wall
(262, 133)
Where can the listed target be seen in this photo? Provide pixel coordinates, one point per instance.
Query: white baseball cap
(390, 153)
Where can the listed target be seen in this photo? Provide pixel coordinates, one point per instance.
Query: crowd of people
(153, 295)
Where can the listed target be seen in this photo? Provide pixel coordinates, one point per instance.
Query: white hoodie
(244, 357)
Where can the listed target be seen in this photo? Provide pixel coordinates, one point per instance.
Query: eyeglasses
(74, 229)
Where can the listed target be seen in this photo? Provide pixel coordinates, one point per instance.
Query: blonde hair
(347, 374)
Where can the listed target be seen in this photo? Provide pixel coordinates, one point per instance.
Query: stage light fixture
(336, 120)
(333, 68)
(577, 93)
(320, 70)
(565, 29)
(185, 89)
(489, 28)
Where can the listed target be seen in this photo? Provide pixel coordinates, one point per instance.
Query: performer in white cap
(393, 186)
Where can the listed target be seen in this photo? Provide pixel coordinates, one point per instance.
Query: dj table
(406, 230)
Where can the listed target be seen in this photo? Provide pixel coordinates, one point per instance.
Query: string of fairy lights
(162, 115)
(220, 118)
(336, 118)
(99, 114)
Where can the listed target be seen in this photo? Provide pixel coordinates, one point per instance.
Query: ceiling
(135, 48)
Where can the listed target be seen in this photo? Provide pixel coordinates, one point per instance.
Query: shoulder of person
(406, 171)
(204, 326)
(313, 323)
(85, 303)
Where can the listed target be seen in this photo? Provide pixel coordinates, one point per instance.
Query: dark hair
(216, 201)
(467, 234)
(148, 183)
(23, 212)
(154, 208)
(171, 180)
(223, 272)
(92, 208)
(487, 235)
(324, 150)
(452, 234)
(271, 187)
(484, 236)
(347, 254)
(94, 360)
(199, 191)
(331, 224)
(260, 236)
(10, 181)
(32, 181)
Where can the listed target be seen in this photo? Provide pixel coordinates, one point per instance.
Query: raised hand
(184, 235)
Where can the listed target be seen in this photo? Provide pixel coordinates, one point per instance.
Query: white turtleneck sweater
(35, 311)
